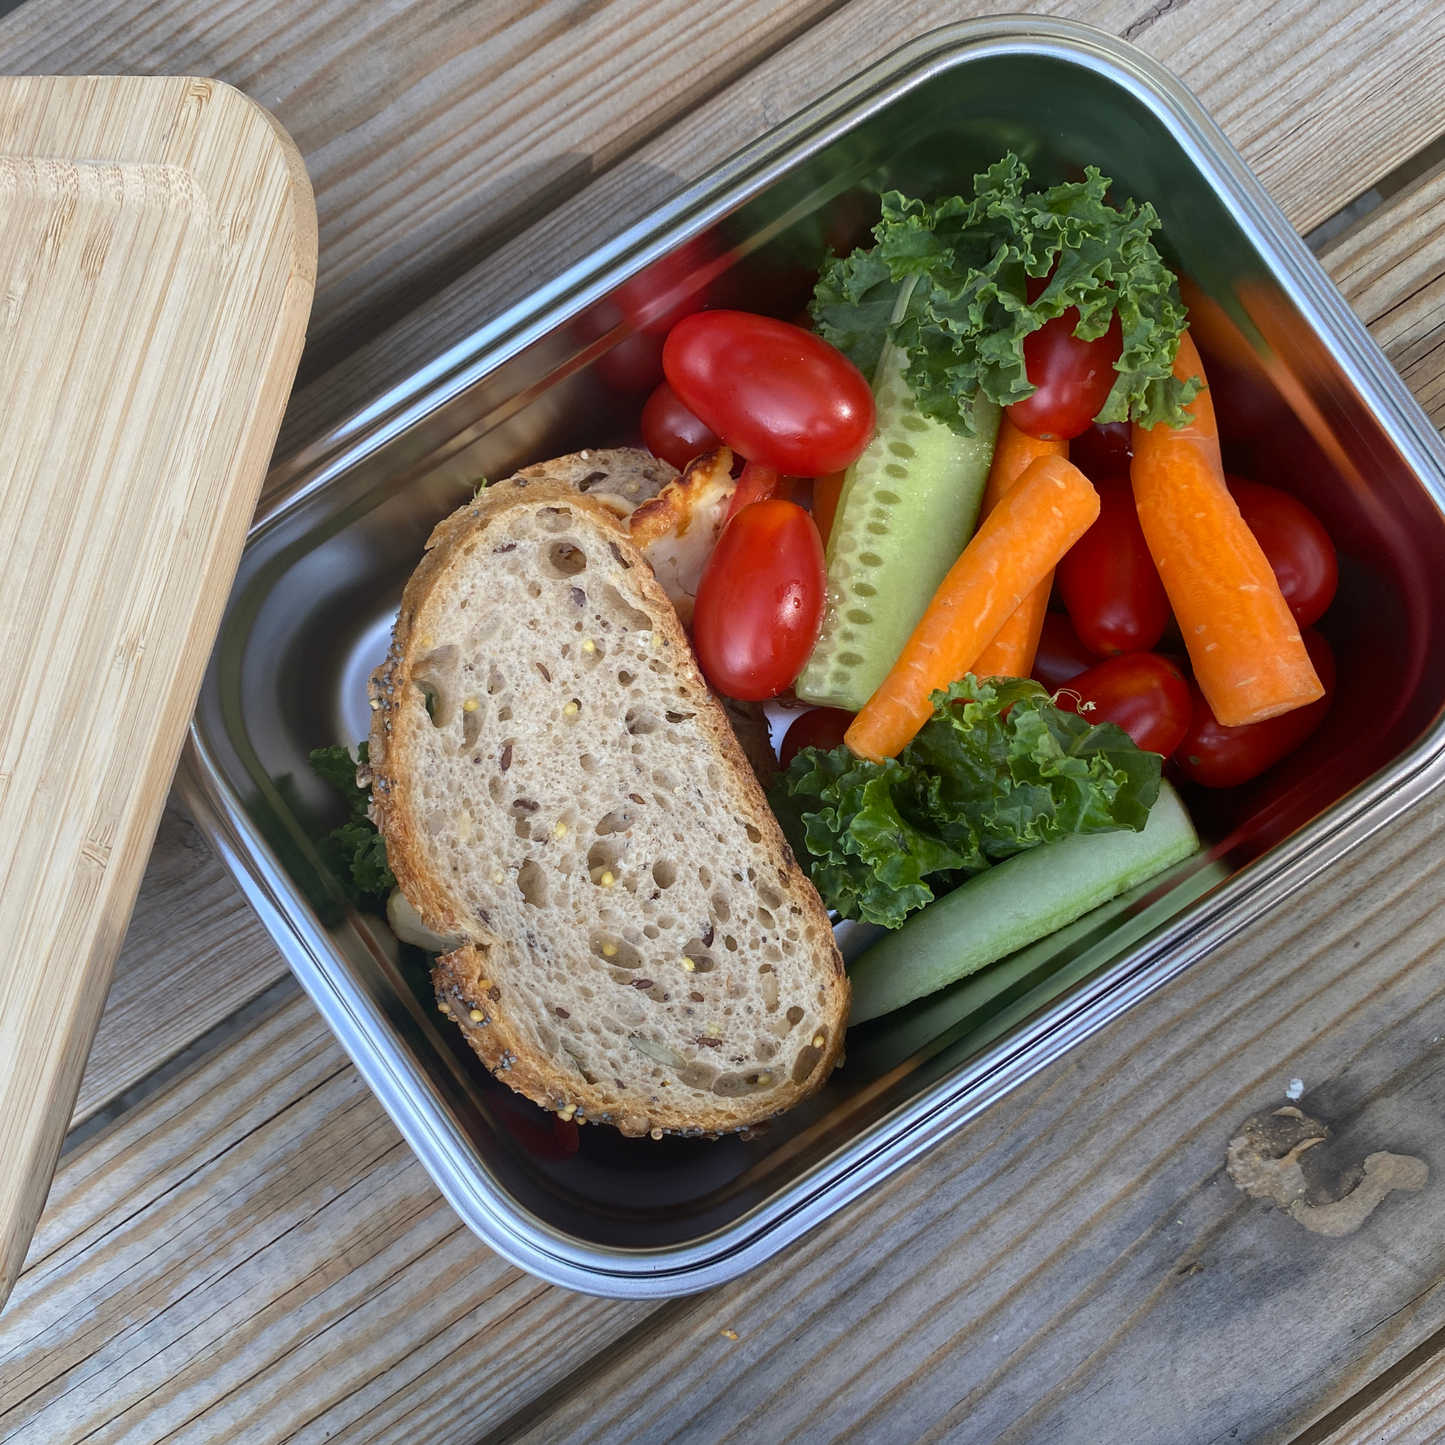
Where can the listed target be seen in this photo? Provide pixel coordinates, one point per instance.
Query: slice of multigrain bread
(558, 789)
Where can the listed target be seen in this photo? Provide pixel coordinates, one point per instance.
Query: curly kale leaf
(996, 770)
(357, 850)
(963, 326)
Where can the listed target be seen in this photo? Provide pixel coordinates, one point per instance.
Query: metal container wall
(1306, 402)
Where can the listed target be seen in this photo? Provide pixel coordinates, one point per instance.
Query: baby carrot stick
(1011, 653)
(1245, 645)
(1049, 508)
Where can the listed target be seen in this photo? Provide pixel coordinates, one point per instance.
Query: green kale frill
(968, 312)
(356, 850)
(997, 769)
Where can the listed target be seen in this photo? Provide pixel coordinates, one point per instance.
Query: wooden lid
(157, 261)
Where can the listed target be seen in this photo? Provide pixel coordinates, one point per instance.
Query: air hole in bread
(587, 763)
(472, 722)
(497, 788)
(770, 896)
(615, 951)
(436, 674)
(639, 722)
(696, 950)
(534, 590)
(720, 908)
(566, 559)
(652, 930)
(770, 990)
(495, 681)
(554, 519)
(664, 873)
(765, 918)
(617, 821)
(730, 943)
(808, 1056)
(734, 1086)
(626, 678)
(604, 861)
(615, 609)
(532, 880)
(795, 1015)
(504, 714)
(704, 875)
(753, 835)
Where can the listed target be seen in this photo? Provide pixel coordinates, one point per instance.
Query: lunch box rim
(949, 1103)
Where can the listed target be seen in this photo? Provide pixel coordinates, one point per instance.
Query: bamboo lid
(157, 261)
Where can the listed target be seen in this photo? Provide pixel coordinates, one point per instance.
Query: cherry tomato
(633, 366)
(1296, 543)
(1073, 377)
(1221, 757)
(760, 602)
(775, 393)
(672, 432)
(652, 303)
(1060, 655)
(1105, 450)
(1108, 579)
(1144, 693)
(820, 727)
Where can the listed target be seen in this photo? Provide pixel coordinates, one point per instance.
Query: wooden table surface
(239, 1246)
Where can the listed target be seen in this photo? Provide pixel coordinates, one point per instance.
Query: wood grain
(194, 953)
(1292, 83)
(255, 1255)
(156, 296)
(1092, 1332)
(1392, 267)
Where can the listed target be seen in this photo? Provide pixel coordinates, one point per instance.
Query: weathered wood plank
(1410, 1411)
(255, 1255)
(194, 953)
(1392, 267)
(1310, 93)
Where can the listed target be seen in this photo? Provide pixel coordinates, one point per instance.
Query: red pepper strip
(757, 484)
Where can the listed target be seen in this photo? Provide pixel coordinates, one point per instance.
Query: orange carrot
(1049, 508)
(826, 492)
(1011, 653)
(1245, 644)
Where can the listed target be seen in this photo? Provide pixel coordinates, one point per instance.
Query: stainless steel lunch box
(1306, 402)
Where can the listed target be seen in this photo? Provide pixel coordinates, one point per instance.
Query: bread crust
(463, 977)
